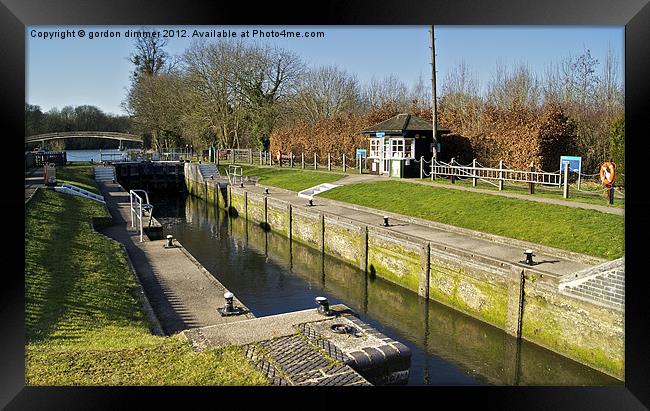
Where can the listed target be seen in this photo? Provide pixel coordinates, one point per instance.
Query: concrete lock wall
(512, 298)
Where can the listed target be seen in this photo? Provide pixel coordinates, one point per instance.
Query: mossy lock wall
(510, 297)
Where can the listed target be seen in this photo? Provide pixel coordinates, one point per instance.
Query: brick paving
(295, 361)
(604, 285)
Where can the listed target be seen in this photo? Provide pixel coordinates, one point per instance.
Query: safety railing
(139, 210)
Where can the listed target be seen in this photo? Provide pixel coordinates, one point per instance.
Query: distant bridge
(110, 135)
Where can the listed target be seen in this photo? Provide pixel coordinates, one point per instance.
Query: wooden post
(218, 156)
(303, 159)
(250, 156)
(232, 155)
(474, 173)
(280, 158)
(531, 185)
(565, 192)
(315, 162)
(500, 175)
(610, 194)
(291, 158)
(344, 165)
(329, 162)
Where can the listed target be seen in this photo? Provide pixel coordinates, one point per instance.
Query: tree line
(236, 94)
(69, 118)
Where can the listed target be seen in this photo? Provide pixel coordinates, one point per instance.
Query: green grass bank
(84, 322)
(583, 231)
(287, 178)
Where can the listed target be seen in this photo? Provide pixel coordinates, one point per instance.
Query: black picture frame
(15, 15)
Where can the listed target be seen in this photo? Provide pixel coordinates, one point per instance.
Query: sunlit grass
(289, 179)
(81, 176)
(584, 231)
(84, 323)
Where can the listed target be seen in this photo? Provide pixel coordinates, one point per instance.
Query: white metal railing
(233, 172)
(501, 174)
(139, 209)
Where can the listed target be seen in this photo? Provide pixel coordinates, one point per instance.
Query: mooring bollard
(385, 221)
(310, 203)
(323, 306)
(529, 256)
(228, 296)
(229, 308)
(170, 240)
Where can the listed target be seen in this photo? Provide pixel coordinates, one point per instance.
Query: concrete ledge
(255, 330)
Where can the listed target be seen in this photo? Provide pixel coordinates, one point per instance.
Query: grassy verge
(584, 231)
(294, 180)
(84, 323)
(591, 194)
(79, 175)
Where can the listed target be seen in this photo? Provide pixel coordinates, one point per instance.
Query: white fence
(502, 174)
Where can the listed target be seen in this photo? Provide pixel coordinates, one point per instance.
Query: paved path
(182, 293)
(552, 263)
(33, 180)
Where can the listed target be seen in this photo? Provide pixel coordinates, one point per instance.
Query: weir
(484, 279)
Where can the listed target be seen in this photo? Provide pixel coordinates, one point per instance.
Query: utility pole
(434, 111)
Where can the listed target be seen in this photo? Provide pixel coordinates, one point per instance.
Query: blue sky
(76, 71)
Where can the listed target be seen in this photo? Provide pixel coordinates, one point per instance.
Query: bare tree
(514, 90)
(149, 57)
(326, 92)
(389, 91)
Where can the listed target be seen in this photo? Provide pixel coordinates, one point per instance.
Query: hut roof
(402, 122)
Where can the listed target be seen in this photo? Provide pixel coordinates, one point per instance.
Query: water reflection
(272, 275)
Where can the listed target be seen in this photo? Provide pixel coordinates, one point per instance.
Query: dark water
(271, 276)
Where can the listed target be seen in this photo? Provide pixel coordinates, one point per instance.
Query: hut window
(397, 148)
(409, 148)
(375, 147)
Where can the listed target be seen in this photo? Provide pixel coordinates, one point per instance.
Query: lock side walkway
(182, 293)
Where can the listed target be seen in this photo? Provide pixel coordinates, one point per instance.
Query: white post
(474, 173)
(565, 192)
(141, 220)
(315, 162)
(344, 165)
(329, 162)
(303, 160)
(579, 172)
(421, 167)
(132, 211)
(260, 157)
(433, 168)
(250, 156)
(500, 175)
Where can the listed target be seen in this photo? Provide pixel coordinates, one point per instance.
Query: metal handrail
(139, 209)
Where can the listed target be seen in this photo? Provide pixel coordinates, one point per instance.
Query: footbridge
(109, 135)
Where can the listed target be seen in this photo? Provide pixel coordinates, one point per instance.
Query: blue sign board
(575, 163)
(361, 152)
(380, 134)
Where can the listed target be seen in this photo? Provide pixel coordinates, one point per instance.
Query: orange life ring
(607, 173)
